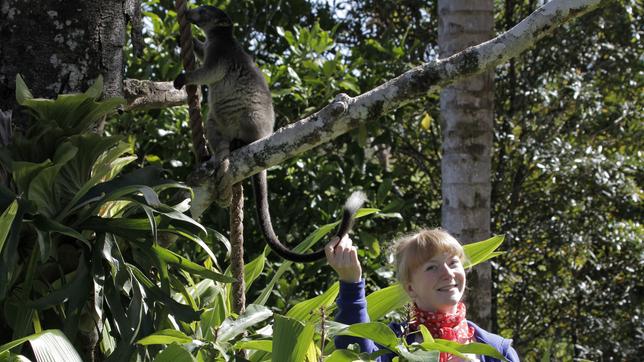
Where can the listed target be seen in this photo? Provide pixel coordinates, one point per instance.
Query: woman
(430, 268)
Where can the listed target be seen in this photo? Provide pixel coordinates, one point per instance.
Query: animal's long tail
(260, 186)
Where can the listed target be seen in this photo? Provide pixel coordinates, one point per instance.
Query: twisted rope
(237, 247)
(188, 61)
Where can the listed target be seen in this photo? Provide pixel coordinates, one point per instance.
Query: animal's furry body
(241, 109)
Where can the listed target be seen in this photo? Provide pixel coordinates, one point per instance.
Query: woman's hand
(343, 258)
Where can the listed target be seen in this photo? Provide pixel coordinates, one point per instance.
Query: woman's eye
(431, 267)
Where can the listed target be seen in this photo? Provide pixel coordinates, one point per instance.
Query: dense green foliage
(566, 188)
(567, 161)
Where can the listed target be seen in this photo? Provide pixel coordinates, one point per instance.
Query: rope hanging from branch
(188, 61)
(224, 188)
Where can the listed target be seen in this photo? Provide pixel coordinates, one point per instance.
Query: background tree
(467, 121)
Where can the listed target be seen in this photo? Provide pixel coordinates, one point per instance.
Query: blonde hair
(413, 250)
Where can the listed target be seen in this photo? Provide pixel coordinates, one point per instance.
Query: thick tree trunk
(467, 121)
(60, 46)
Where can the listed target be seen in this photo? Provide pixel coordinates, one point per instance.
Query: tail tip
(355, 201)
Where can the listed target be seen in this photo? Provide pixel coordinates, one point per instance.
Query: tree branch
(346, 113)
(146, 94)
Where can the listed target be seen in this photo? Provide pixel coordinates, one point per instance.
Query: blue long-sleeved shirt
(352, 308)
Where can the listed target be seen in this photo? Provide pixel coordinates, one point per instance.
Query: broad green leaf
(291, 339)
(52, 226)
(473, 348)
(149, 176)
(65, 153)
(231, 328)
(433, 346)
(25, 172)
(253, 269)
(419, 355)
(98, 158)
(375, 331)
(6, 220)
(308, 309)
(386, 300)
(48, 345)
(258, 345)
(74, 112)
(173, 258)
(175, 353)
(45, 192)
(345, 355)
(480, 251)
(165, 336)
(131, 229)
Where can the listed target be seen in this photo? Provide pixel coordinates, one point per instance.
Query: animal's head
(209, 18)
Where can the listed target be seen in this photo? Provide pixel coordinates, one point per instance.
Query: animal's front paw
(180, 81)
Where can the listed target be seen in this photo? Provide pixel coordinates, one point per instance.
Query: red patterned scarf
(450, 326)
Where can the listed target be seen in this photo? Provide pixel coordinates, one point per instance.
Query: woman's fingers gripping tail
(342, 256)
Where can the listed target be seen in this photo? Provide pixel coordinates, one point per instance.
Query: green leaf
(375, 331)
(328, 68)
(481, 251)
(165, 336)
(44, 191)
(22, 91)
(291, 339)
(345, 355)
(51, 226)
(174, 353)
(231, 328)
(77, 289)
(6, 220)
(307, 310)
(99, 160)
(48, 345)
(258, 345)
(426, 121)
(181, 311)
(25, 172)
(72, 112)
(419, 355)
(253, 269)
(96, 89)
(173, 258)
(386, 300)
(434, 346)
(212, 318)
(148, 176)
(350, 85)
(427, 337)
(472, 348)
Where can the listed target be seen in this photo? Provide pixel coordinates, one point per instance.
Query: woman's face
(438, 284)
